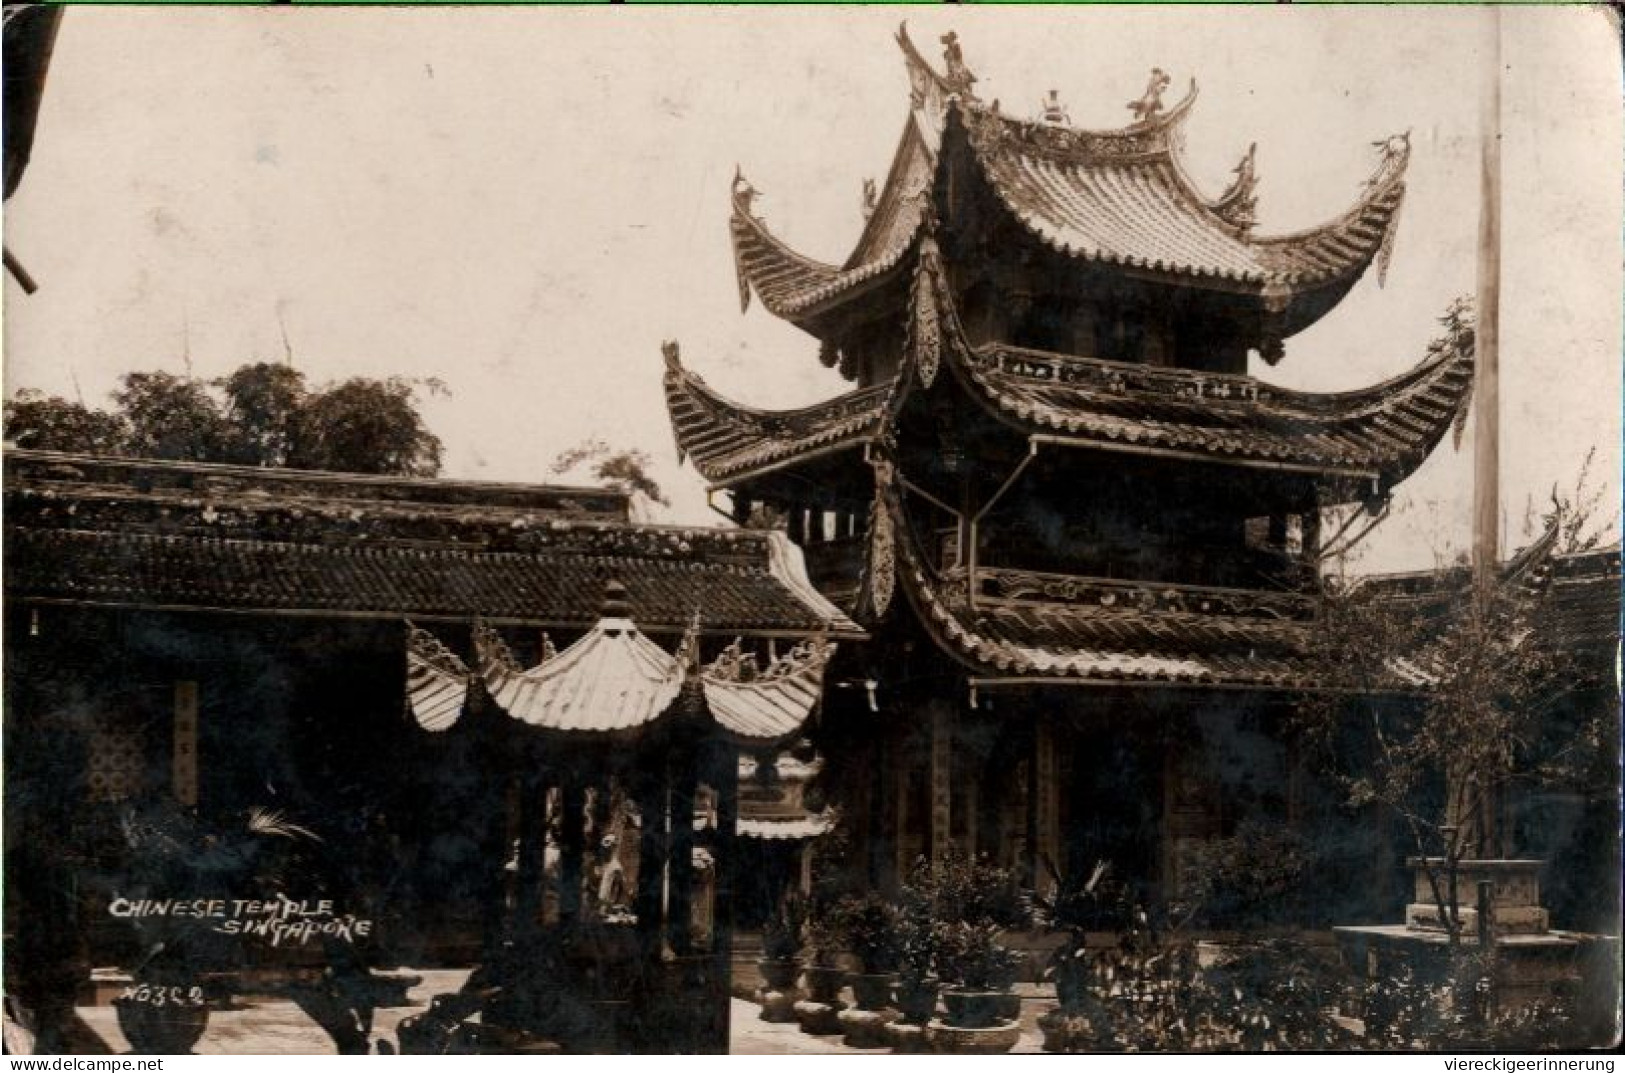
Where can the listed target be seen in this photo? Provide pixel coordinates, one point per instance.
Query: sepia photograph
(812, 530)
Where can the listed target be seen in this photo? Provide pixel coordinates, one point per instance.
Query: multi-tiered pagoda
(1084, 539)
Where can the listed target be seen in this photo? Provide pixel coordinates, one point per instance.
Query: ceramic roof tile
(232, 548)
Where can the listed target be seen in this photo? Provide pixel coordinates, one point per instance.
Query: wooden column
(876, 785)
(941, 780)
(572, 839)
(532, 843)
(652, 848)
(183, 770)
(900, 781)
(725, 783)
(680, 856)
(1311, 535)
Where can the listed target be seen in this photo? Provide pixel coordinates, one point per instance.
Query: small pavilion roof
(1113, 197)
(615, 680)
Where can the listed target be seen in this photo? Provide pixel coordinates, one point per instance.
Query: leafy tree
(172, 417)
(626, 470)
(1440, 703)
(365, 426)
(263, 405)
(262, 414)
(48, 423)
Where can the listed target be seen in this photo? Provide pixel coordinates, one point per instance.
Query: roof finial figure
(1146, 108)
(616, 603)
(1238, 205)
(1396, 151)
(672, 353)
(745, 194)
(870, 196)
(1055, 111)
(958, 77)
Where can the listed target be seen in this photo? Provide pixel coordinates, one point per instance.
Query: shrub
(868, 925)
(784, 932)
(970, 956)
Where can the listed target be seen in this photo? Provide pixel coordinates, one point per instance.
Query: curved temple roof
(1118, 197)
(194, 536)
(1381, 433)
(1070, 631)
(726, 440)
(615, 679)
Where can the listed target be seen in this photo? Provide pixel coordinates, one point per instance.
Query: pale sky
(524, 202)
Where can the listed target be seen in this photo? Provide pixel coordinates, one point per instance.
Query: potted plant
(979, 972)
(917, 929)
(1073, 910)
(823, 974)
(782, 938)
(869, 926)
(782, 935)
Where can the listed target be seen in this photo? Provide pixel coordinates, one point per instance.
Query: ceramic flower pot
(917, 999)
(1057, 1029)
(872, 991)
(824, 983)
(779, 973)
(170, 1029)
(976, 1009)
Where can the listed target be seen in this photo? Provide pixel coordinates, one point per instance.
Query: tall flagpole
(1482, 836)
(1487, 411)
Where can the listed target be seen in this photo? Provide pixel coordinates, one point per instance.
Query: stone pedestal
(906, 1038)
(1532, 962)
(1514, 893)
(778, 1007)
(944, 1038)
(820, 1018)
(866, 1028)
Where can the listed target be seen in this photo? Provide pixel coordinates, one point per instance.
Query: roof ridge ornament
(926, 329)
(1149, 105)
(744, 193)
(687, 656)
(616, 602)
(491, 651)
(1239, 202)
(870, 198)
(1396, 154)
(958, 77)
(1052, 110)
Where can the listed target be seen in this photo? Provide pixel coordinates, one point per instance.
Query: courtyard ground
(280, 1027)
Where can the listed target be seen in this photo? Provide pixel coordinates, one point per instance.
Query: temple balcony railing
(1113, 595)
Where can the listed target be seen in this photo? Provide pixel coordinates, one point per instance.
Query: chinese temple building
(1084, 539)
(187, 644)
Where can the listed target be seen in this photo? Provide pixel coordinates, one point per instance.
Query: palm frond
(264, 821)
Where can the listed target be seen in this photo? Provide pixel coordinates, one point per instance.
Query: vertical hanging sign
(1048, 828)
(941, 781)
(183, 771)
